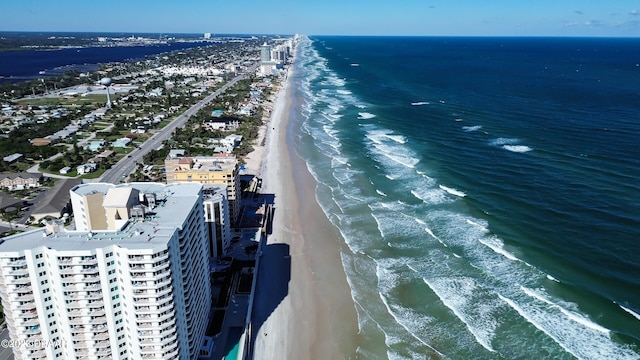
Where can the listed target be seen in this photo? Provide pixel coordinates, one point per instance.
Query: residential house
(20, 181)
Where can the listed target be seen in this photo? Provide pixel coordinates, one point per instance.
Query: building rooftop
(208, 163)
(174, 203)
(117, 197)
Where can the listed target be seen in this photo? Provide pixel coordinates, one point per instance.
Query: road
(6, 353)
(127, 165)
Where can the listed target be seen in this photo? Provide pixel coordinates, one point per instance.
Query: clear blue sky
(329, 17)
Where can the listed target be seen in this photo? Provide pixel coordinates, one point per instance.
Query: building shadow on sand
(272, 287)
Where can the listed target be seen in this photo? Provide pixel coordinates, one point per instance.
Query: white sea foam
(331, 117)
(381, 193)
(420, 103)
(496, 245)
(420, 221)
(504, 141)
(430, 196)
(365, 115)
(472, 128)
(535, 323)
(458, 294)
(337, 82)
(343, 92)
(391, 150)
(482, 225)
(329, 130)
(410, 321)
(517, 148)
(552, 278)
(338, 161)
(574, 316)
(574, 332)
(397, 138)
(335, 107)
(430, 232)
(458, 120)
(453, 191)
(635, 314)
(380, 136)
(403, 316)
(404, 160)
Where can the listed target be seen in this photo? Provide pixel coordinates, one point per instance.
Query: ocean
(486, 190)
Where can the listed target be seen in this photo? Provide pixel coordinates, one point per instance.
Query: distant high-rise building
(265, 53)
(207, 35)
(131, 283)
(216, 215)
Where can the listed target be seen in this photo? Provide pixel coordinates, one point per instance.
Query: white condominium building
(132, 282)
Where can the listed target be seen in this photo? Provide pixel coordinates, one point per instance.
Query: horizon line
(325, 35)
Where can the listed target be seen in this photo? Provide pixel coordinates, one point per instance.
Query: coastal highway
(127, 165)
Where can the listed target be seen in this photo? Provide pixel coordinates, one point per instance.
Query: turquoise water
(486, 190)
(233, 343)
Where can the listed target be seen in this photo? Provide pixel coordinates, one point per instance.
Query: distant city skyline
(331, 17)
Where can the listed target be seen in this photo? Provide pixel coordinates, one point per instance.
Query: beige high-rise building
(218, 170)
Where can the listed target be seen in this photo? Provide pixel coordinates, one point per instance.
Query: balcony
(40, 354)
(146, 318)
(156, 326)
(78, 321)
(140, 259)
(150, 350)
(86, 312)
(29, 323)
(33, 343)
(100, 321)
(90, 329)
(92, 295)
(19, 262)
(88, 336)
(15, 297)
(18, 272)
(24, 315)
(82, 353)
(22, 289)
(150, 273)
(91, 261)
(28, 306)
(76, 270)
(170, 340)
(83, 279)
(83, 287)
(151, 300)
(82, 344)
(103, 344)
(33, 330)
(20, 281)
(173, 354)
(77, 261)
(156, 310)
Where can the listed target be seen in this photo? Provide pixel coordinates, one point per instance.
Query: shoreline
(313, 315)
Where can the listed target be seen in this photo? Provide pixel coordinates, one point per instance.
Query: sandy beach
(303, 306)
